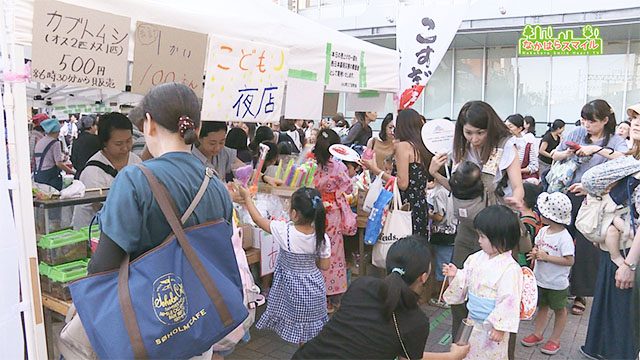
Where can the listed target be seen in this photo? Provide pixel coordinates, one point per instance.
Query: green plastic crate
(62, 247)
(60, 276)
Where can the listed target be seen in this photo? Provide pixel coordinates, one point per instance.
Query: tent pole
(15, 106)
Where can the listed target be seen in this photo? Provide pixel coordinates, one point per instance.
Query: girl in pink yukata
(491, 283)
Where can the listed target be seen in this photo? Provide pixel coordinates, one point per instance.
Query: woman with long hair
(482, 138)
(411, 168)
(550, 141)
(598, 144)
(382, 145)
(380, 318)
(361, 131)
(333, 182)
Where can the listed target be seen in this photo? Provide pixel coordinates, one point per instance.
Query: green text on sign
(538, 41)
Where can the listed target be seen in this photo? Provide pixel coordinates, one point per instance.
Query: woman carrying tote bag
(131, 221)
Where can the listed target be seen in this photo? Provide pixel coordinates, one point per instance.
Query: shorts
(442, 254)
(554, 299)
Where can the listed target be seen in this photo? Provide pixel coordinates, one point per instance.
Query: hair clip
(398, 271)
(325, 135)
(315, 201)
(185, 123)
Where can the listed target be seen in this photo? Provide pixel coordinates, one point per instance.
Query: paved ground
(267, 345)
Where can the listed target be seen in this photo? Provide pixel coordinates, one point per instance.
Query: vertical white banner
(424, 34)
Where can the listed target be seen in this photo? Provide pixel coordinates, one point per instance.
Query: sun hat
(633, 108)
(39, 118)
(555, 207)
(50, 126)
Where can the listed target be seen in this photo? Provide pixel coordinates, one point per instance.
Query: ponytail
(407, 260)
(396, 294)
(307, 202)
(319, 221)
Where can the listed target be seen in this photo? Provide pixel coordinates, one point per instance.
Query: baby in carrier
(619, 193)
(468, 192)
(618, 179)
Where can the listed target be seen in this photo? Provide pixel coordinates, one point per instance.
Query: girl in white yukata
(491, 282)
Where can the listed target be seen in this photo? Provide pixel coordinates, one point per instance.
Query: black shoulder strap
(106, 168)
(44, 153)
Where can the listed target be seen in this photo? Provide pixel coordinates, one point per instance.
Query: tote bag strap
(397, 199)
(208, 174)
(167, 206)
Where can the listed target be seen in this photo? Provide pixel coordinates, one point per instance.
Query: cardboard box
(247, 236)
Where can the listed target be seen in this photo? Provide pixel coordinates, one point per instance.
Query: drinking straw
(279, 170)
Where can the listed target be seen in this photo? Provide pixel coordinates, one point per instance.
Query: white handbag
(373, 193)
(397, 225)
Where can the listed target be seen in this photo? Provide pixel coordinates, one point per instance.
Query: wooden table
(52, 307)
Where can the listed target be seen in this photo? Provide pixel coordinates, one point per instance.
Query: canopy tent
(255, 20)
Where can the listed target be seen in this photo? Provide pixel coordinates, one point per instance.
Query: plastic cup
(464, 332)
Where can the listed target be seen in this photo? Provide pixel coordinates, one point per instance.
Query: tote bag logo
(169, 299)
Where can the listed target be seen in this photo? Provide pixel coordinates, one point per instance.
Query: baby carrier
(610, 188)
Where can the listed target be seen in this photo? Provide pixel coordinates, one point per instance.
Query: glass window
(468, 78)
(501, 79)
(568, 87)
(533, 86)
(633, 81)
(437, 103)
(606, 79)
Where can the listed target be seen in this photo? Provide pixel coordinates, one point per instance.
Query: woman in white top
(116, 134)
(526, 148)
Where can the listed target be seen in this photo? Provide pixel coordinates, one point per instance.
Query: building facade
(482, 63)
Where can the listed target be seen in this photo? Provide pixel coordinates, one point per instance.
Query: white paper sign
(165, 54)
(79, 46)
(343, 69)
(303, 99)
(368, 101)
(269, 250)
(244, 81)
(424, 34)
(437, 136)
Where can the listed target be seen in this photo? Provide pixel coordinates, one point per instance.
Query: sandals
(578, 307)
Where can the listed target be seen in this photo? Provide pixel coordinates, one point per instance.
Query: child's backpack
(251, 292)
(529, 297)
(532, 224)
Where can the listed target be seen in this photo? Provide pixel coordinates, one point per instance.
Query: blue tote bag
(173, 302)
(374, 222)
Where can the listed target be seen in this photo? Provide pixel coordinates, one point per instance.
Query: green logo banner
(538, 41)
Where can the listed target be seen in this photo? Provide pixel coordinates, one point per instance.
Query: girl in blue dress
(296, 307)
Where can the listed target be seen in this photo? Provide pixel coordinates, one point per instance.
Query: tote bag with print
(397, 226)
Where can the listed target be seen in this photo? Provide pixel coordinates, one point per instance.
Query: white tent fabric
(256, 20)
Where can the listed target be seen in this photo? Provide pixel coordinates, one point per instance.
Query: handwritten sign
(437, 136)
(79, 46)
(303, 99)
(536, 41)
(343, 69)
(424, 35)
(366, 101)
(164, 54)
(244, 81)
(269, 250)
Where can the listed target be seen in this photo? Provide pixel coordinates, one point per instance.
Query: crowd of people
(478, 216)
